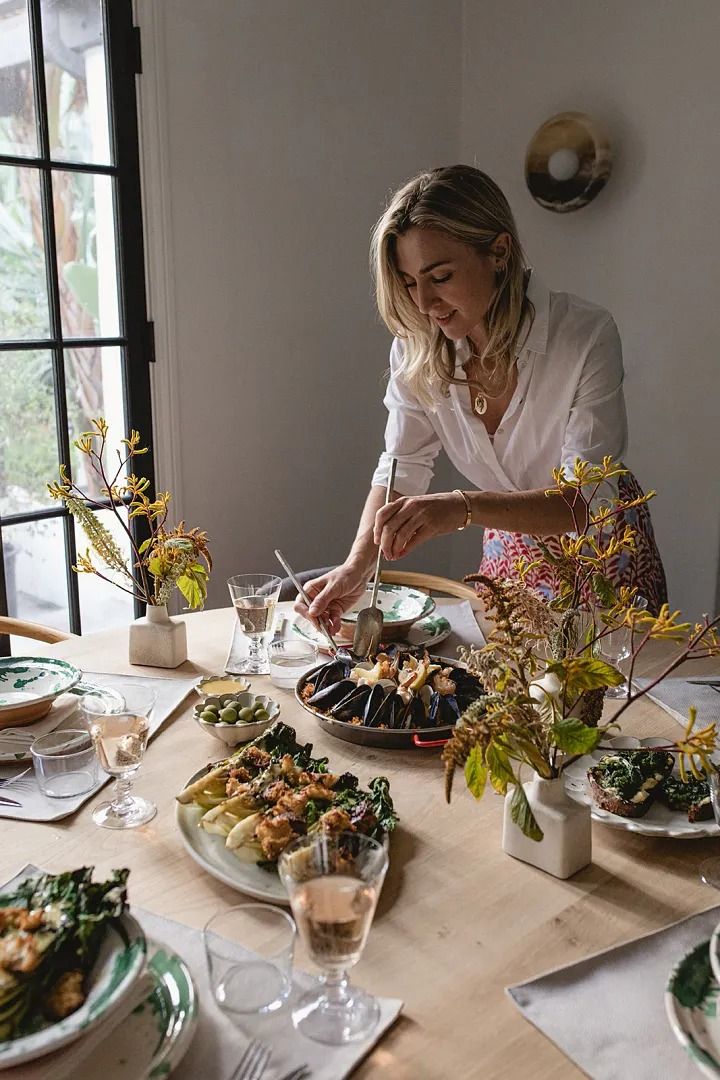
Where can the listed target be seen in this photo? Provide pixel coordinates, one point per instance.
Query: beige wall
(274, 130)
(647, 248)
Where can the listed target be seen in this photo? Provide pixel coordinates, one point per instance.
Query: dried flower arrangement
(543, 677)
(167, 559)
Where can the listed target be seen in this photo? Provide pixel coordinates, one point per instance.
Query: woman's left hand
(412, 519)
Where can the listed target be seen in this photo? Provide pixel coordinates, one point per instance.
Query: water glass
(334, 883)
(255, 597)
(249, 951)
(65, 763)
(289, 660)
(120, 732)
(710, 868)
(616, 647)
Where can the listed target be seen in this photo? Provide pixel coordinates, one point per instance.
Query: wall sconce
(568, 162)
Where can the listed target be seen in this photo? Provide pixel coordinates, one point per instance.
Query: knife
(279, 630)
(8, 802)
(704, 680)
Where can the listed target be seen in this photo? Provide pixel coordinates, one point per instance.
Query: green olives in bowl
(236, 718)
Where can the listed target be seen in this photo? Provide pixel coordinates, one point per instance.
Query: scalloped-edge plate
(659, 821)
(156, 1035)
(426, 632)
(119, 965)
(691, 1003)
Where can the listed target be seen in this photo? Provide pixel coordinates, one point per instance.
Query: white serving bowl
(401, 606)
(234, 734)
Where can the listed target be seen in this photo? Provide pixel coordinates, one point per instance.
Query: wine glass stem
(337, 989)
(121, 800)
(256, 651)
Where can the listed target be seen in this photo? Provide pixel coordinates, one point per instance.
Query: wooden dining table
(458, 920)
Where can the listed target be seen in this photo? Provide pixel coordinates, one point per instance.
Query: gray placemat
(34, 806)
(607, 1013)
(220, 1042)
(676, 695)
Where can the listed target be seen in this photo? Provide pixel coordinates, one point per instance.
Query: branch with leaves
(166, 560)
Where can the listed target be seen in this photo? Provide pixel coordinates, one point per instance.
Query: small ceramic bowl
(242, 731)
(211, 684)
(401, 606)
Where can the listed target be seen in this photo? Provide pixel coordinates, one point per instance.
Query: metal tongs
(369, 625)
(323, 625)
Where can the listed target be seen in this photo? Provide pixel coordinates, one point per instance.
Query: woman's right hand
(332, 594)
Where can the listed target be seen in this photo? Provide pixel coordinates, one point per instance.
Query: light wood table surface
(458, 920)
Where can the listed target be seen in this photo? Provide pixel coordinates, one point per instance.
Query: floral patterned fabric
(641, 568)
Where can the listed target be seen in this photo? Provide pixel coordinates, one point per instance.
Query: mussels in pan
(406, 690)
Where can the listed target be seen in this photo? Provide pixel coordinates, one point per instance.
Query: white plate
(118, 966)
(660, 820)
(398, 603)
(693, 1012)
(209, 851)
(26, 679)
(15, 750)
(153, 1039)
(424, 633)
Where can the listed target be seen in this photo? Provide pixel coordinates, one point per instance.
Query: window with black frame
(74, 341)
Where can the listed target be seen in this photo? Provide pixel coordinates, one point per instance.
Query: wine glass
(616, 647)
(255, 597)
(334, 883)
(119, 732)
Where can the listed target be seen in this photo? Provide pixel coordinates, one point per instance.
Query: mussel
(332, 672)
(414, 716)
(390, 712)
(443, 710)
(352, 706)
(374, 702)
(331, 694)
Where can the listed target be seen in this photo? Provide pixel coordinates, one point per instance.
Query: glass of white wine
(334, 883)
(255, 597)
(119, 732)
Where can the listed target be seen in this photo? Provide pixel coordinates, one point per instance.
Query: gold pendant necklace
(480, 404)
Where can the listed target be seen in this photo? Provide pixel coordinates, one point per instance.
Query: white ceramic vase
(156, 640)
(566, 846)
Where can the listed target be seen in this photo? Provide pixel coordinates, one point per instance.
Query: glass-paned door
(74, 336)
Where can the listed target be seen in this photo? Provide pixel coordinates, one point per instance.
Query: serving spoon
(368, 628)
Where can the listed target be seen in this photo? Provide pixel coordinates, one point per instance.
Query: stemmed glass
(120, 734)
(255, 597)
(334, 883)
(616, 647)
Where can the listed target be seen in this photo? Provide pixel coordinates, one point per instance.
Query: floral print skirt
(641, 568)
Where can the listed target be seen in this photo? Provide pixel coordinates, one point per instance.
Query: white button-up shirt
(568, 403)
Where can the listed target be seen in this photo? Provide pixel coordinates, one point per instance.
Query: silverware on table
(253, 1063)
(279, 630)
(705, 680)
(8, 802)
(301, 1073)
(11, 779)
(286, 567)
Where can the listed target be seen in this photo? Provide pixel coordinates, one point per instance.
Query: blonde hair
(467, 205)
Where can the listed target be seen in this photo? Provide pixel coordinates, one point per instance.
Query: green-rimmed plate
(118, 966)
(401, 606)
(691, 1003)
(422, 634)
(30, 684)
(154, 1037)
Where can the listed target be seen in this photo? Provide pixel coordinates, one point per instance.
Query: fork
(253, 1063)
(301, 1073)
(11, 779)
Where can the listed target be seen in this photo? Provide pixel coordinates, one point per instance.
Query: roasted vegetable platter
(640, 790)
(393, 701)
(238, 815)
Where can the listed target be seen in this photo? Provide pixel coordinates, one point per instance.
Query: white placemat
(465, 631)
(34, 806)
(220, 1042)
(676, 695)
(607, 1013)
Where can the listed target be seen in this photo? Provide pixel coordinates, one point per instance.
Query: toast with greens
(691, 796)
(627, 783)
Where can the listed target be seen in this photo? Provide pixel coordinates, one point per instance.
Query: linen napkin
(607, 1012)
(34, 806)
(676, 695)
(219, 1041)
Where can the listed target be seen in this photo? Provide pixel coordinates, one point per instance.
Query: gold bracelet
(468, 509)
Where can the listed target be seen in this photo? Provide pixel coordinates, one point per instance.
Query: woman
(509, 379)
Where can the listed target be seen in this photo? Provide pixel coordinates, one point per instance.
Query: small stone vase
(566, 846)
(156, 640)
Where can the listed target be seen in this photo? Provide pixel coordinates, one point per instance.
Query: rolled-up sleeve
(409, 435)
(597, 425)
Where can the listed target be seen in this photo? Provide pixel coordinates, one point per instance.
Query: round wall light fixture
(568, 162)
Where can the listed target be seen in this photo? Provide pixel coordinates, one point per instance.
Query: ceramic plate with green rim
(401, 606)
(155, 1036)
(422, 634)
(118, 966)
(30, 684)
(691, 1004)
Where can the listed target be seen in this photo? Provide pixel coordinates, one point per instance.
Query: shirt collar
(534, 340)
